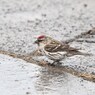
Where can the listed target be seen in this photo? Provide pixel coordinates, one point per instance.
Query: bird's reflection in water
(50, 82)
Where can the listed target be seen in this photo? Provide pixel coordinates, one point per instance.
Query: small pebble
(85, 5)
(28, 93)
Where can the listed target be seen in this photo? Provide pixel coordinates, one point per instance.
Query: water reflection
(51, 82)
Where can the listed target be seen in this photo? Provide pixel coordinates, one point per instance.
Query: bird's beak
(36, 42)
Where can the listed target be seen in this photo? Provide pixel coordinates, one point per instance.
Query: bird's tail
(79, 53)
(85, 54)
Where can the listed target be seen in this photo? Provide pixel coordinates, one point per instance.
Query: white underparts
(54, 55)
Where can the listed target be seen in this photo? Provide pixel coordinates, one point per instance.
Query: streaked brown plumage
(55, 50)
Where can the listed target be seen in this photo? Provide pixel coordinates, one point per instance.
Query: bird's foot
(55, 63)
(51, 64)
(59, 64)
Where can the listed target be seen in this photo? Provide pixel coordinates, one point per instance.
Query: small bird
(55, 50)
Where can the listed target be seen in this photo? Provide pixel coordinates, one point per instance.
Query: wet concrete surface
(21, 78)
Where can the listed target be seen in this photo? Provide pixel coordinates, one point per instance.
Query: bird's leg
(57, 62)
(52, 63)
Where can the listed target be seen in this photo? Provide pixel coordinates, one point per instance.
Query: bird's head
(43, 40)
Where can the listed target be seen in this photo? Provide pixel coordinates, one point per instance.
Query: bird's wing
(57, 47)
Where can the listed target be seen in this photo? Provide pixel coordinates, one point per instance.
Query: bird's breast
(54, 55)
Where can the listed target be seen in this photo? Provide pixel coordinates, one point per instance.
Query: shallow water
(53, 83)
(20, 78)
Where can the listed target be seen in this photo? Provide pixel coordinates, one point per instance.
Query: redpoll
(55, 50)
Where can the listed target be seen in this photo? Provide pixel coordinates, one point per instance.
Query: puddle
(21, 78)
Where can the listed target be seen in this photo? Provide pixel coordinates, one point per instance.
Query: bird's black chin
(36, 42)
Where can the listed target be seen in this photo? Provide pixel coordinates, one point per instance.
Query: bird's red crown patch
(41, 37)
